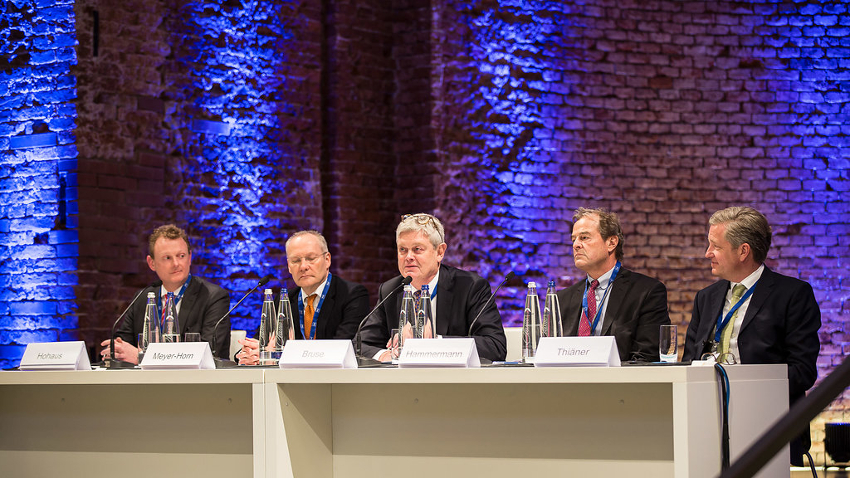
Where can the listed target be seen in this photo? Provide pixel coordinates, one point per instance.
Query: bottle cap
(409, 288)
(551, 283)
(267, 291)
(532, 284)
(283, 292)
(151, 295)
(425, 288)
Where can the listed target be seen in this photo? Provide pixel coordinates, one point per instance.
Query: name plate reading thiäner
(458, 352)
(56, 356)
(318, 354)
(178, 355)
(577, 352)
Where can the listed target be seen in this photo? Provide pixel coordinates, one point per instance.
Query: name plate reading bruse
(577, 351)
(56, 356)
(327, 353)
(447, 352)
(177, 356)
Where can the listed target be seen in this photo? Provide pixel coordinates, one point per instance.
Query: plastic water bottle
(552, 325)
(170, 327)
(150, 327)
(530, 323)
(407, 315)
(285, 329)
(424, 320)
(268, 318)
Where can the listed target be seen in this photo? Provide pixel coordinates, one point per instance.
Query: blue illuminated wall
(38, 237)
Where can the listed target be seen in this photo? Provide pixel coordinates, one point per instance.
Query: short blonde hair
(425, 223)
(745, 225)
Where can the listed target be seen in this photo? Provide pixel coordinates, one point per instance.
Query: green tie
(726, 336)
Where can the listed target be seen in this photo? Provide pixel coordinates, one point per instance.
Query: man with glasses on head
(457, 296)
(329, 307)
(612, 301)
(197, 303)
(754, 315)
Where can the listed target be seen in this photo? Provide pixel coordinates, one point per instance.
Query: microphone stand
(227, 363)
(361, 360)
(492, 296)
(111, 362)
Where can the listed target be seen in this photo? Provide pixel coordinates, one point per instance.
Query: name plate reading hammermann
(577, 352)
(56, 356)
(328, 353)
(458, 352)
(178, 356)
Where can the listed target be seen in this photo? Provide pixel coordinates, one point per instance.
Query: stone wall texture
(244, 121)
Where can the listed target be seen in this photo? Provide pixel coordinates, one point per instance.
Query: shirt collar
(751, 279)
(432, 286)
(319, 290)
(604, 279)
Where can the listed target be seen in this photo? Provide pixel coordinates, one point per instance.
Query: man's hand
(123, 351)
(250, 353)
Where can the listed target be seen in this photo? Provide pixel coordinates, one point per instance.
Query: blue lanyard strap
(315, 313)
(723, 322)
(601, 302)
(177, 298)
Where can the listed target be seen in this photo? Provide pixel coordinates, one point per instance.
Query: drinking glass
(668, 343)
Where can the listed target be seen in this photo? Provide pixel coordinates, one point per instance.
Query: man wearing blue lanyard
(753, 313)
(612, 300)
(457, 296)
(197, 303)
(329, 307)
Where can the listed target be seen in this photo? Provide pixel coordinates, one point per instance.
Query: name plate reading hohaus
(56, 356)
(179, 355)
(577, 351)
(318, 354)
(447, 352)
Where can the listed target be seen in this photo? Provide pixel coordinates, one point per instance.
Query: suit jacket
(344, 307)
(637, 306)
(202, 305)
(460, 297)
(780, 326)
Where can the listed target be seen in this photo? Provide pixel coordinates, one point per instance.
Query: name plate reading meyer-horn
(56, 356)
(178, 356)
(327, 353)
(458, 352)
(577, 352)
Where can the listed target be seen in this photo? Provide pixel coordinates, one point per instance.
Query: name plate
(178, 356)
(56, 356)
(577, 351)
(449, 352)
(327, 353)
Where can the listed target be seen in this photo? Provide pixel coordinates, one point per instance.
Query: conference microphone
(406, 281)
(492, 296)
(111, 362)
(265, 280)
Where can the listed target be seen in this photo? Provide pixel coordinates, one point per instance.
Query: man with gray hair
(753, 314)
(328, 306)
(612, 300)
(457, 296)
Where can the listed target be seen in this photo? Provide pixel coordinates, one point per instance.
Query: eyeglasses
(727, 358)
(309, 259)
(423, 219)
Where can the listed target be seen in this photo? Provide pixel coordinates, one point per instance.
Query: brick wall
(38, 235)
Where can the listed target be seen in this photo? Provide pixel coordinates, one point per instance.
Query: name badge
(448, 352)
(178, 356)
(577, 351)
(318, 354)
(56, 356)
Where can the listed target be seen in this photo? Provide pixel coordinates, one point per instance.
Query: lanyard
(315, 312)
(176, 298)
(721, 322)
(598, 312)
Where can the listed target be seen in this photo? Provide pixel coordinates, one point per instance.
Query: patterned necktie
(726, 336)
(308, 316)
(585, 322)
(417, 296)
(167, 303)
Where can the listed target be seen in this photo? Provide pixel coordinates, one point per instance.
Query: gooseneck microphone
(265, 280)
(111, 362)
(406, 281)
(492, 296)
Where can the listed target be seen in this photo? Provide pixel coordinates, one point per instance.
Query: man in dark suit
(778, 318)
(457, 296)
(198, 304)
(328, 306)
(621, 303)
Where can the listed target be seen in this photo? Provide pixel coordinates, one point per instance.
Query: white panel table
(654, 421)
(132, 423)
